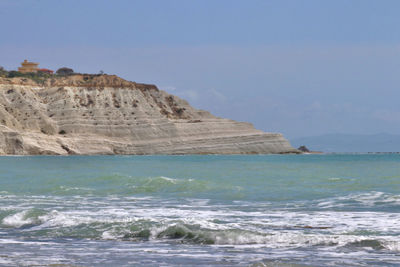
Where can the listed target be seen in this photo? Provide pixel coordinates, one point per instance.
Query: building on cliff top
(27, 66)
(46, 71)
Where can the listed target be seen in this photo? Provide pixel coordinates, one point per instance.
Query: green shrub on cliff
(65, 71)
(3, 72)
(38, 77)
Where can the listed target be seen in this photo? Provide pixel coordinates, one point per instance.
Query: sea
(200, 210)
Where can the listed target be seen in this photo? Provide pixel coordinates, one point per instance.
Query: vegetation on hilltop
(3, 72)
(40, 77)
(68, 78)
(65, 71)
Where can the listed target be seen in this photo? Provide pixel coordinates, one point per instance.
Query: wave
(184, 187)
(126, 185)
(167, 184)
(361, 200)
(39, 224)
(22, 219)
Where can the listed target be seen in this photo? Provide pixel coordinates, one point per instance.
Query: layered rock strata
(104, 114)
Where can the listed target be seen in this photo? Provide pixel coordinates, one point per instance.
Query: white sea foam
(108, 235)
(253, 224)
(369, 199)
(391, 245)
(88, 211)
(68, 188)
(17, 220)
(172, 180)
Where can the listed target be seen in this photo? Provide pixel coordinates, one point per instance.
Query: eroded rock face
(108, 115)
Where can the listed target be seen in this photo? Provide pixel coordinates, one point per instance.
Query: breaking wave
(91, 225)
(368, 200)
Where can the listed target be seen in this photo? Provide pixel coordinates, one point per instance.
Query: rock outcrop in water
(104, 114)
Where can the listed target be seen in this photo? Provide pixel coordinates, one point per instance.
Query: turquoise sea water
(253, 210)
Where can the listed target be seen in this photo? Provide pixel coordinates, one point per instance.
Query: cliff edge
(105, 114)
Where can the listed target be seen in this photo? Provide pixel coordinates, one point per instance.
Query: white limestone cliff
(104, 114)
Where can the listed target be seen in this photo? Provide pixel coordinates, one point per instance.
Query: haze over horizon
(302, 68)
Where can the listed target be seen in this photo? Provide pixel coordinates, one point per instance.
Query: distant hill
(350, 143)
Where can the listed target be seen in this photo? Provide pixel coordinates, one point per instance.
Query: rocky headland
(105, 114)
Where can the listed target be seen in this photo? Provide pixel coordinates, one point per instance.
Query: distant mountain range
(350, 143)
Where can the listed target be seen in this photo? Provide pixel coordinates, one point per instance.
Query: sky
(302, 68)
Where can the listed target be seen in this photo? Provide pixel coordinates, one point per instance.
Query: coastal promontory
(105, 114)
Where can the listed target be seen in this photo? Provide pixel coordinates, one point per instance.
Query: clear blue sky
(302, 68)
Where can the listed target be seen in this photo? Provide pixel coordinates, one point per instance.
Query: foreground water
(270, 210)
